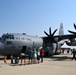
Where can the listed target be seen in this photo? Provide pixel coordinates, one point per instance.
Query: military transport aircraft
(14, 43)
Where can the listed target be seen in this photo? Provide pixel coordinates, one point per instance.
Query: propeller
(73, 31)
(74, 26)
(51, 36)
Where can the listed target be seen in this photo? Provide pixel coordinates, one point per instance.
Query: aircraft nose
(1, 46)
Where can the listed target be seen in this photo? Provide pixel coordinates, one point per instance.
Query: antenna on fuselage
(24, 33)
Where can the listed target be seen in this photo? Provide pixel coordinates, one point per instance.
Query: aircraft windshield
(7, 36)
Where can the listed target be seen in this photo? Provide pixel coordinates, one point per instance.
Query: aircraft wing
(67, 36)
(51, 38)
(58, 38)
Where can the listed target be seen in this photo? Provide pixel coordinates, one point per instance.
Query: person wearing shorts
(23, 57)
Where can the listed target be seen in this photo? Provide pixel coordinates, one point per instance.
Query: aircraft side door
(23, 49)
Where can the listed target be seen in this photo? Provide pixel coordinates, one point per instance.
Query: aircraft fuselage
(12, 44)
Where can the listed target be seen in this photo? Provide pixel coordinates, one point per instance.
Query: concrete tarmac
(56, 65)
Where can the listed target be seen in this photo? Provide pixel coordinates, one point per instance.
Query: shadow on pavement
(61, 58)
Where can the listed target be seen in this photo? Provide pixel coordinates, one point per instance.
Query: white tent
(66, 46)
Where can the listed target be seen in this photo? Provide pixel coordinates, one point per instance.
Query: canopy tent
(66, 46)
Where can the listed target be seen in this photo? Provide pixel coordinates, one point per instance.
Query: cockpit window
(7, 36)
(11, 37)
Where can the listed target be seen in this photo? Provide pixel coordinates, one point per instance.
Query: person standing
(11, 59)
(23, 57)
(30, 55)
(74, 53)
(38, 56)
(42, 54)
(5, 60)
(34, 55)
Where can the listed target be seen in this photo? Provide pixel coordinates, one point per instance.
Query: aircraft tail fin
(61, 30)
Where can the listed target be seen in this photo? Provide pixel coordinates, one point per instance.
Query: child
(5, 61)
(16, 60)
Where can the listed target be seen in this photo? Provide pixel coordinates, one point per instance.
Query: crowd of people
(33, 56)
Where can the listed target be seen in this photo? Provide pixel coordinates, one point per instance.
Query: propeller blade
(50, 30)
(46, 33)
(71, 32)
(74, 26)
(54, 32)
(50, 36)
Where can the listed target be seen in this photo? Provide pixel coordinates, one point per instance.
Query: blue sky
(34, 16)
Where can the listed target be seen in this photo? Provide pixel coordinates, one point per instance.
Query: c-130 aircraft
(14, 43)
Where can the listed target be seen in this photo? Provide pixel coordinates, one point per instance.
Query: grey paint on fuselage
(18, 42)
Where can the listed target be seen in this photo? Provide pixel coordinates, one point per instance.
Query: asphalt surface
(56, 65)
